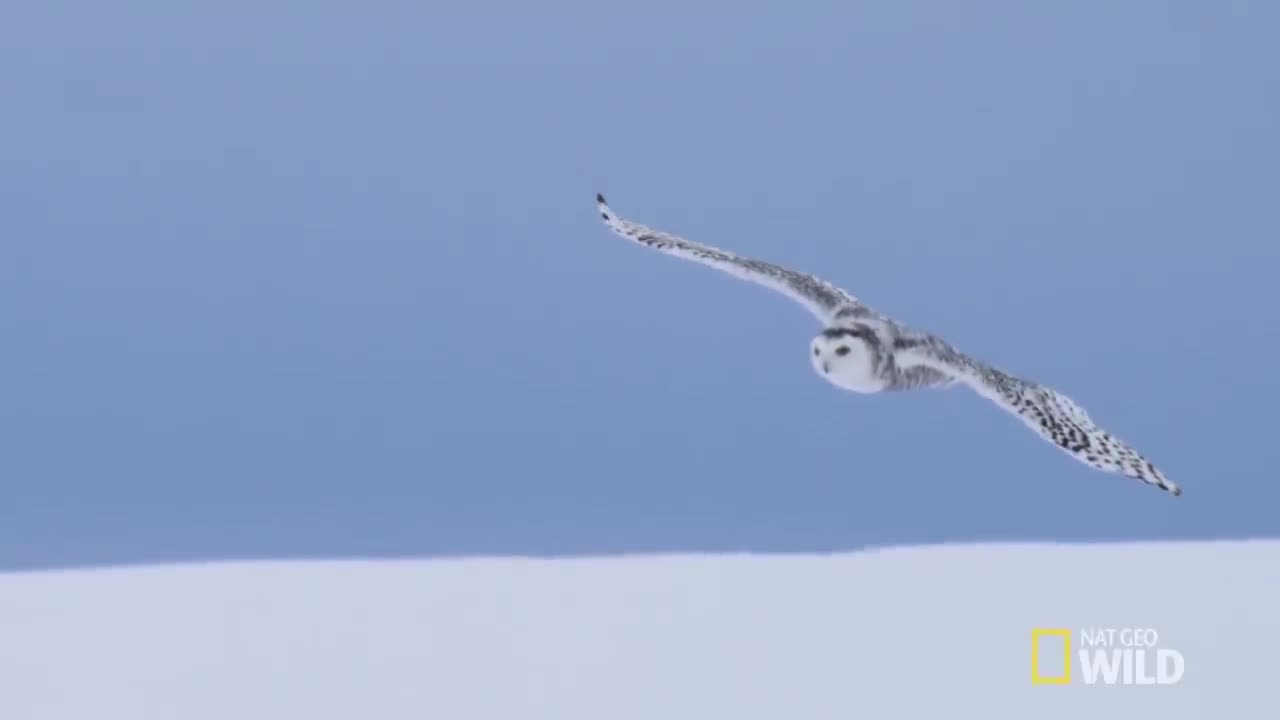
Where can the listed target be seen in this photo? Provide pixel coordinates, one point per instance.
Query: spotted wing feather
(1053, 415)
(820, 297)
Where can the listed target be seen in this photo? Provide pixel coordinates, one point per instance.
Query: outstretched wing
(1053, 415)
(820, 297)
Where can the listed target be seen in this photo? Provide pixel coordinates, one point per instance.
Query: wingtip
(600, 199)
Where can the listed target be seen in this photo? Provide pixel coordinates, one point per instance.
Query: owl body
(865, 352)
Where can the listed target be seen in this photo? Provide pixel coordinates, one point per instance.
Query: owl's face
(847, 359)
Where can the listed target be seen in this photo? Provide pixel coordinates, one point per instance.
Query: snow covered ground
(906, 633)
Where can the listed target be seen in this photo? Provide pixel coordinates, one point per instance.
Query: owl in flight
(862, 351)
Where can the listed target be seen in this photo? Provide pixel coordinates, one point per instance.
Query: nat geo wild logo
(1103, 656)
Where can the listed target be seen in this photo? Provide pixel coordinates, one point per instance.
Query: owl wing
(1056, 417)
(820, 297)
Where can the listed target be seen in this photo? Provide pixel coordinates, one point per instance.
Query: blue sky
(305, 279)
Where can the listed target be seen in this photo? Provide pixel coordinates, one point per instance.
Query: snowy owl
(862, 351)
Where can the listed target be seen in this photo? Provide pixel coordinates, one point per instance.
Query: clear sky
(320, 279)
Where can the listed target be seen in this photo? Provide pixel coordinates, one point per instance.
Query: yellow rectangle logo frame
(1036, 677)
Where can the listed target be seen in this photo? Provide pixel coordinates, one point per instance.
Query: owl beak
(826, 367)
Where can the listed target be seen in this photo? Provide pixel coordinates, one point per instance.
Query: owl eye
(842, 350)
